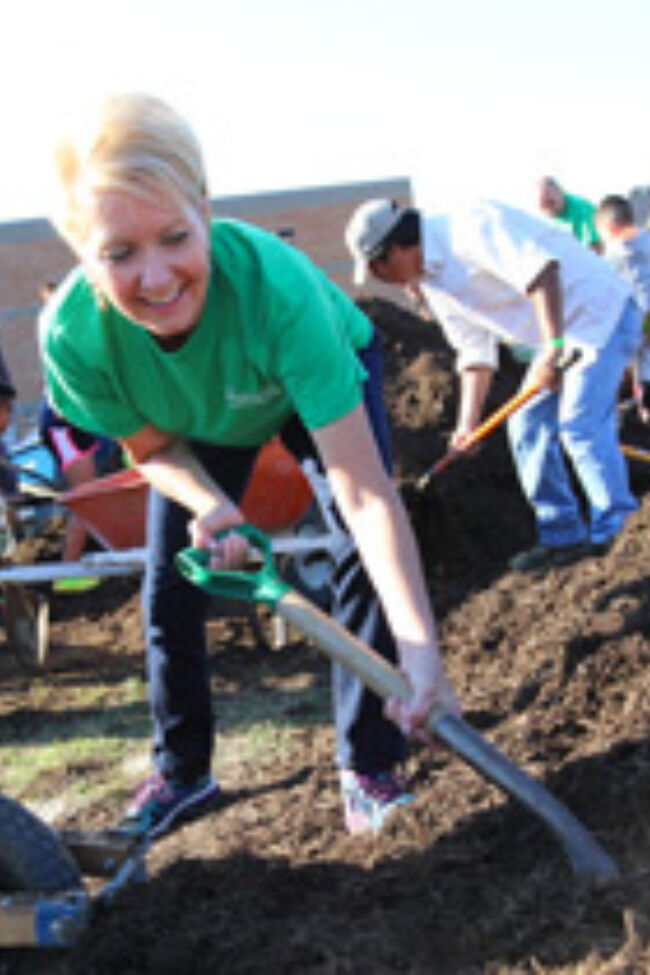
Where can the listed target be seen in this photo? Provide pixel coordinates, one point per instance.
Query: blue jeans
(175, 614)
(578, 424)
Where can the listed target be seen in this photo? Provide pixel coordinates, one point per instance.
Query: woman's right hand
(229, 552)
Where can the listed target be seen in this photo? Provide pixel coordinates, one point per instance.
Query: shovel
(587, 859)
(495, 420)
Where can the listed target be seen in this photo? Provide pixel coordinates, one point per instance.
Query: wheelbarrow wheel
(27, 622)
(32, 858)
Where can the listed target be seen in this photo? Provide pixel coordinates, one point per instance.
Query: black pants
(175, 620)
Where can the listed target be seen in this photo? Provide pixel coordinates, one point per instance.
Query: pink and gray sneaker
(369, 800)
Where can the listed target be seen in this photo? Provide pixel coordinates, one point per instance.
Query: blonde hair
(136, 144)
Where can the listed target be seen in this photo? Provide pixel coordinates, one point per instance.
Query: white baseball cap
(366, 231)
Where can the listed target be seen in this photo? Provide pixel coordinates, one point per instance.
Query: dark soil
(552, 668)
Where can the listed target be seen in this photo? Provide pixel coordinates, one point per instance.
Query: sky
(467, 98)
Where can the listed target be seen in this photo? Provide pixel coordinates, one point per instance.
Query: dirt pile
(552, 668)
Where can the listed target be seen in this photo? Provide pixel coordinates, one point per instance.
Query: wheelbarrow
(114, 507)
(587, 858)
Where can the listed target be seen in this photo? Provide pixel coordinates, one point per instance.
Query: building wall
(31, 254)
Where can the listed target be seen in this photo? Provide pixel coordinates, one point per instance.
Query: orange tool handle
(491, 423)
(482, 431)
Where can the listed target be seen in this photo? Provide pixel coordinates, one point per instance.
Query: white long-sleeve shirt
(478, 266)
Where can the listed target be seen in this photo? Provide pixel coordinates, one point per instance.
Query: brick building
(31, 254)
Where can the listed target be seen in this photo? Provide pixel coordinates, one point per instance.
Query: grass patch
(77, 746)
(261, 727)
(69, 756)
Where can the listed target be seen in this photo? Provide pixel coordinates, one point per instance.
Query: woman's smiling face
(149, 257)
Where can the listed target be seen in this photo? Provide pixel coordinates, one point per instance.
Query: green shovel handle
(260, 586)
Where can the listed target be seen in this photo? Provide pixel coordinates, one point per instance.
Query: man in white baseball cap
(491, 273)
(368, 231)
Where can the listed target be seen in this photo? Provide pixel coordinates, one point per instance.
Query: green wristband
(558, 342)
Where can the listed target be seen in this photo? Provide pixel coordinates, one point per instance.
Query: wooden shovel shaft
(588, 860)
(342, 647)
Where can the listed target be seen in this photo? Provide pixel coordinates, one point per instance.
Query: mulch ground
(552, 668)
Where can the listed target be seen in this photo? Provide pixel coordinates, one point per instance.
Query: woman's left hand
(229, 552)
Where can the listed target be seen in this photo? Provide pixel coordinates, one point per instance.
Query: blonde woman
(193, 342)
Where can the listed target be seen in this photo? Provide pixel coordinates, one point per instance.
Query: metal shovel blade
(587, 858)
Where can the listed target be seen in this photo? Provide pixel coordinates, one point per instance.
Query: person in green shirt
(193, 342)
(578, 214)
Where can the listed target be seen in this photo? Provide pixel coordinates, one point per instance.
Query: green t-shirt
(275, 337)
(580, 215)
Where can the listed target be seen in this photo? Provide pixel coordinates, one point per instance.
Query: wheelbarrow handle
(490, 424)
(588, 860)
